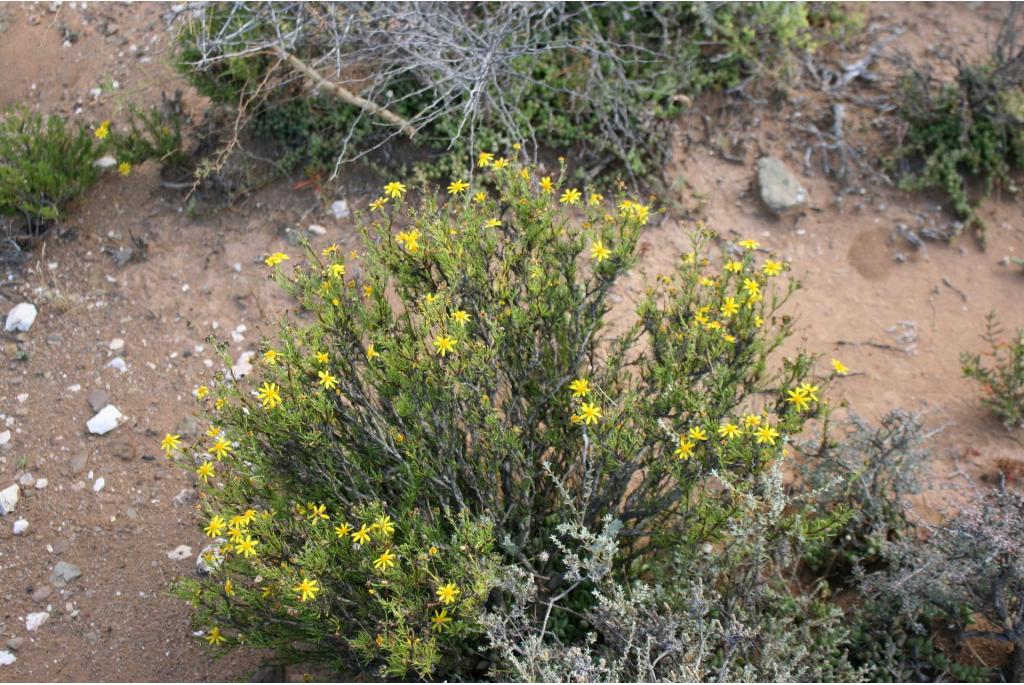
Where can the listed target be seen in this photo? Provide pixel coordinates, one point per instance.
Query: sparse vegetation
(1002, 376)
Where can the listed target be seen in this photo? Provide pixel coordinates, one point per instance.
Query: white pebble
(33, 621)
(98, 485)
(179, 553)
(116, 345)
(42, 483)
(20, 526)
(6, 658)
(106, 420)
(21, 317)
(119, 364)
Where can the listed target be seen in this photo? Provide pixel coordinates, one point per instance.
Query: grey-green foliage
(730, 618)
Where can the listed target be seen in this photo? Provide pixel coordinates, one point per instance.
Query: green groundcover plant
(452, 412)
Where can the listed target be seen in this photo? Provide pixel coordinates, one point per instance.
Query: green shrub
(1002, 382)
(597, 82)
(972, 128)
(45, 164)
(463, 364)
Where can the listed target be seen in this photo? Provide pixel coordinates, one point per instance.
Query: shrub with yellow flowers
(452, 397)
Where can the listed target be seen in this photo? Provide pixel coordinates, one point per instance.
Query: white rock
(243, 367)
(105, 162)
(339, 208)
(210, 558)
(119, 364)
(179, 553)
(42, 483)
(26, 480)
(75, 388)
(317, 229)
(116, 345)
(20, 526)
(33, 621)
(99, 484)
(9, 499)
(106, 420)
(21, 317)
(6, 658)
(5, 437)
(22, 397)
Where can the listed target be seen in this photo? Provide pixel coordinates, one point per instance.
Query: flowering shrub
(457, 380)
(1002, 381)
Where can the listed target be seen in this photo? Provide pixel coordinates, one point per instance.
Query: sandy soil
(205, 277)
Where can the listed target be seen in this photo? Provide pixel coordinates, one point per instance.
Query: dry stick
(347, 95)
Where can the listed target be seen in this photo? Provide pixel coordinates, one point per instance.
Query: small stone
(33, 621)
(26, 480)
(119, 364)
(780, 189)
(116, 345)
(78, 463)
(42, 483)
(185, 497)
(131, 513)
(15, 643)
(5, 437)
(340, 210)
(106, 420)
(243, 367)
(20, 526)
(6, 658)
(59, 546)
(41, 593)
(180, 553)
(99, 484)
(21, 317)
(105, 162)
(317, 229)
(9, 499)
(188, 427)
(64, 573)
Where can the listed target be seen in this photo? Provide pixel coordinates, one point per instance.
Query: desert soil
(898, 317)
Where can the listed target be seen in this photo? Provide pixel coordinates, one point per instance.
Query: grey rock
(340, 210)
(41, 593)
(780, 189)
(15, 643)
(188, 427)
(185, 497)
(78, 463)
(64, 573)
(9, 499)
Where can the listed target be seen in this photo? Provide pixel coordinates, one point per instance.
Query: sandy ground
(899, 325)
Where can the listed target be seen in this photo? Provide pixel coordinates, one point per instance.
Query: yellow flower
(275, 259)
(371, 352)
(839, 367)
(395, 189)
(269, 394)
(589, 413)
(432, 551)
(378, 203)
(456, 187)
(634, 210)
(329, 250)
(799, 399)
(479, 197)
(201, 392)
(707, 282)
(570, 197)
(443, 344)
(270, 357)
(748, 244)
(124, 168)
(734, 266)
(492, 223)
(316, 512)
(214, 636)
(215, 526)
(307, 589)
(766, 435)
(336, 270)
(546, 185)
(440, 619)
(220, 448)
(752, 288)
(103, 130)
(235, 533)
(460, 317)
(599, 252)
(485, 159)
(384, 561)
(729, 307)
(758, 322)
(327, 380)
(595, 199)
(170, 443)
(810, 390)
(362, 536)
(580, 387)
(342, 530)
(447, 593)
(213, 431)
(205, 471)
(321, 357)
(685, 448)
(729, 431)
(248, 516)
(384, 524)
(751, 420)
(229, 588)
(772, 268)
(247, 546)
(697, 433)
(500, 164)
